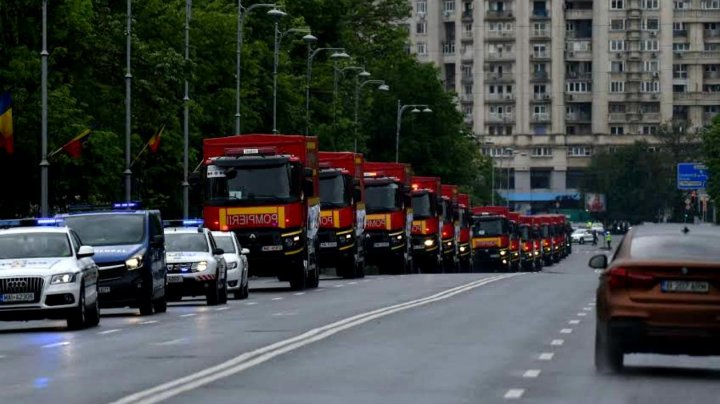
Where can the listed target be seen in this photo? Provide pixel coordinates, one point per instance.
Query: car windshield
(676, 248)
(490, 227)
(186, 242)
(422, 205)
(545, 231)
(93, 229)
(248, 183)
(226, 243)
(380, 198)
(524, 232)
(34, 245)
(333, 192)
(579, 232)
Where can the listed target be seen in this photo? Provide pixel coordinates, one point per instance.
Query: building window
(650, 4)
(467, 70)
(650, 86)
(617, 108)
(449, 6)
(616, 4)
(710, 4)
(651, 45)
(421, 28)
(712, 47)
(680, 71)
(579, 151)
(650, 108)
(617, 86)
(711, 88)
(574, 178)
(617, 67)
(617, 130)
(617, 25)
(421, 7)
(651, 24)
(650, 130)
(421, 48)
(540, 178)
(681, 4)
(681, 46)
(617, 45)
(651, 66)
(542, 152)
(578, 87)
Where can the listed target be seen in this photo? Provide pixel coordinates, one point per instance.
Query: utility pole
(186, 120)
(128, 105)
(44, 164)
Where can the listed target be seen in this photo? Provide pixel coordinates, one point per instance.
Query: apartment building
(545, 83)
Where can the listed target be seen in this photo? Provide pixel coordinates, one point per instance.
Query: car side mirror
(218, 251)
(158, 240)
(599, 261)
(244, 251)
(85, 252)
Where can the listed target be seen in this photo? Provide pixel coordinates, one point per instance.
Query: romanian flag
(6, 123)
(154, 142)
(74, 147)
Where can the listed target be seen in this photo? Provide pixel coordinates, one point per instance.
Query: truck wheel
(609, 356)
(313, 273)
(298, 279)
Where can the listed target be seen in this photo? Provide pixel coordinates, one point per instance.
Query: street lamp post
(400, 110)
(128, 104)
(279, 35)
(507, 180)
(44, 164)
(242, 11)
(338, 53)
(336, 82)
(186, 118)
(358, 86)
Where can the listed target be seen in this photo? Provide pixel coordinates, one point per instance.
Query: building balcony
(500, 118)
(578, 97)
(679, 33)
(539, 76)
(540, 15)
(539, 56)
(500, 35)
(633, 35)
(697, 14)
(698, 96)
(466, 98)
(708, 117)
(541, 97)
(617, 117)
(467, 36)
(578, 117)
(633, 13)
(449, 15)
(711, 75)
(540, 118)
(467, 16)
(499, 78)
(634, 76)
(448, 48)
(710, 34)
(500, 98)
(651, 117)
(579, 14)
(466, 79)
(468, 55)
(542, 34)
(697, 57)
(498, 15)
(497, 56)
(633, 55)
(578, 76)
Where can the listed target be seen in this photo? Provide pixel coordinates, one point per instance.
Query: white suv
(46, 273)
(237, 264)
(195, 265)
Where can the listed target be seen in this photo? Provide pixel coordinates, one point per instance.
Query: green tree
(711, 151)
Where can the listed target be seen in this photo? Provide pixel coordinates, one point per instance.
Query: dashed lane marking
(57, 344)
(148, 322)
(566, 331)
(583, 314)
(546, 356)
(250, 303)
(531, 373)
(352, 283)
(574, 322)
(299, 293)
(106, 332)
(557, 342)
(222, 308)
(276, 298)
(188, 315)
(514, 394)
(339, 286)
(587, 308)
(170, 342)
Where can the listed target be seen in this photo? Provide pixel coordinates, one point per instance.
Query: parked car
(582, 236)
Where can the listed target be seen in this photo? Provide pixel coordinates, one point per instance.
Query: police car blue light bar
(126, 205)
(28, 222)
(47, 221)
(192, 222)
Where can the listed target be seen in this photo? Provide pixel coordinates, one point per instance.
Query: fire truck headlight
(503, 252)
(429, 242)
(463, 248)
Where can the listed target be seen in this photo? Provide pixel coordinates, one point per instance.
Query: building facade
(545, 83)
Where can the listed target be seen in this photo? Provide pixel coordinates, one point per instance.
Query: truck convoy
(342, 215)
(450, 228)
(427, 224)
(491, 238)
(265, 189)
(389, 216)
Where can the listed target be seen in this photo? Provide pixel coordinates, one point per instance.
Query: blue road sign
(691, 176)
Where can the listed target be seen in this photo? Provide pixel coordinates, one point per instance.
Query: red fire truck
(264, 188)
(450, 228)
(342, 215)
(546, 237)
(464, 217)
(389, 216)
(516, 257)
(491, 238)
(427, 224)
(530, 239)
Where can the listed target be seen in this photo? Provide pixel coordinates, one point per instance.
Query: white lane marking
(587, 308)
(531, 373)
(106, 332)
(250, 303)
(170, 342)
(339, 286)
(514, 394)
(148, 322)
(591, 304)
(57, 344)
(188, 315)
(222, 308)
(319, 290)
(546, 356)
(249, 359)
(366, 280)
(299, 293)
(574, 322)
(566, 331)
(583, 314)
(352, 283)
(276, 298)
(285, 313)
(557, 342)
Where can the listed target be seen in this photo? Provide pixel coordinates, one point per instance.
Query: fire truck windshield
(333, 192)
(545, 231)
(483, 227)
(423, 205)
(379, 198)
(250, 183)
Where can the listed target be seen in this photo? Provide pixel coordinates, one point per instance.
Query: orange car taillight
(621, 277)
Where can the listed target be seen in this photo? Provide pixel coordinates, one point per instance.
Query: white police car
(195, 264)
(46, 273)
(236, 259)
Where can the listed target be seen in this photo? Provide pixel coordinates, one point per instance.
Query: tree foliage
(86, 40)
(711, 152)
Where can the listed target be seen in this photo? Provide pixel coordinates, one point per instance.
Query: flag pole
(44, 164)
(140, 154)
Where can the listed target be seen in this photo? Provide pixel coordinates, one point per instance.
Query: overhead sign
(691, 176)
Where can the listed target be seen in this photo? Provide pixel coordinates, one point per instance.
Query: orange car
(659, 294)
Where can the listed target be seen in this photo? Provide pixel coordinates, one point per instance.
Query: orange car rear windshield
(702, 248)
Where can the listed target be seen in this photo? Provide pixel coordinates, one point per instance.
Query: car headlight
(503, 252)
(463, 248)
(135, 261)
(537, 253)
(199, 266)
(62, 278)
(232, 265)
(429, 242)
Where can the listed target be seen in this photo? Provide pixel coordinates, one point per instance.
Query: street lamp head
(384, 87)
(415, 111)
(309, 38)
(427, 110)
(340, 55)
(275, 13)
(364, 74)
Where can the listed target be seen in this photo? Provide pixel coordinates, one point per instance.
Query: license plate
(271, 248)
(175, 279)
(494, 255)
(329, 244)
(381, 245)
(104, 289)
(685, 287)
(418, 247)
(18, 297)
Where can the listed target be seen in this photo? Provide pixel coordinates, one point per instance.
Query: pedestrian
(595, 237)
(608, 240)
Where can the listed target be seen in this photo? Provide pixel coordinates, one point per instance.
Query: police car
(46, 273)
(237, 263)
(195, 263)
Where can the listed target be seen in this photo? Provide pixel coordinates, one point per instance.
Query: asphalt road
(457, 338)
